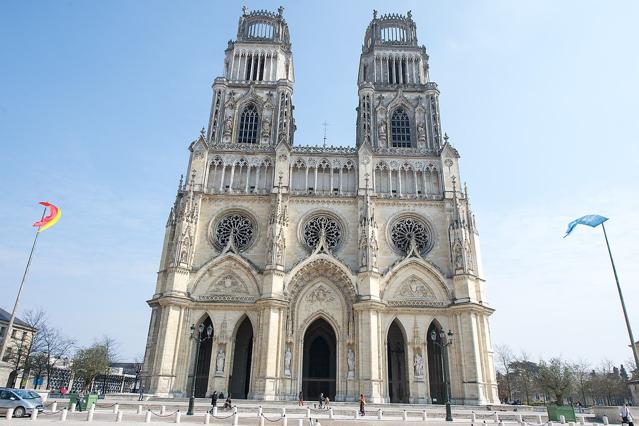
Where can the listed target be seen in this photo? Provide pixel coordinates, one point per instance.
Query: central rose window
(239, 227)
(406, 231)
(322, 224)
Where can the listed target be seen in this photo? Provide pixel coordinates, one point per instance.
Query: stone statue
(381, 131)
(419, 366)
(350, 361)
(421, 133)
(228, 126)
(287, 361)
(219, 362)
(266, 128)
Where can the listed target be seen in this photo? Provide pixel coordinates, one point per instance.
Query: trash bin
(89, 400)
(555, 411)
(73, 399)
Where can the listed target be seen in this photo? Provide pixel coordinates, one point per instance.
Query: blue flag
(590, 220)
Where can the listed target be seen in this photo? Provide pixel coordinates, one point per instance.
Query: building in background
(322, 269)
(13, 362)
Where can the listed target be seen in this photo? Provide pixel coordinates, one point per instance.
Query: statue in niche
(219, 361)
(381, 131)
(350, 361)
(266, 127)
(419, 366)
(228, 126)
(421, 133)
(288, 356)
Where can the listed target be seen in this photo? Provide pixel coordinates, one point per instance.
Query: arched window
(248, 125)
(400, 129)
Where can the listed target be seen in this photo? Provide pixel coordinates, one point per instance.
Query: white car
(22, 401)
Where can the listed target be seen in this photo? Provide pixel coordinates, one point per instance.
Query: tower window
(248, 125)
(400, 129)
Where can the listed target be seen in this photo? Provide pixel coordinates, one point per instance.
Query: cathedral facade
(348, 270)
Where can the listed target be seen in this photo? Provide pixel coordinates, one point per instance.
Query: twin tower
(342, 271)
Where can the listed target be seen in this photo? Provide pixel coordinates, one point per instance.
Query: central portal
(320, 361)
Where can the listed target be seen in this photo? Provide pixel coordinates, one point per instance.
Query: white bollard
(163, 410)
(571, 424)
(520, 418)
(473, 417)
(90, 415)
(235, 410)
(582, 421)
(356, 414)
(236, 419)
(605, 420)
(380, 414)
(539, 419)
(283, 411)
(207, 418)
(330, 413)
(116, 408)
(550, 423)
(215, 411)
(147, 416)
(300, 422)
(178, 416)
(261, 421)
(404, 416)
(63, 415)
(501, 423)
(139, 409)
(496, 417)
(424, 415)
(118, 417)
(308, 413)
(9, 414)
(34, 415)
(54, 407)
(562, 420)
(73, 407)
(284, 420)
(259, 411)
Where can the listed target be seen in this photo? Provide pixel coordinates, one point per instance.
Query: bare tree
(583, 381)
(525, 372)
(54, 347)
(505, 358)
(556, 376)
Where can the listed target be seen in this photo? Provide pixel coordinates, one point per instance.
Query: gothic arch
(420, 268)
(229, 262)
(326, 267)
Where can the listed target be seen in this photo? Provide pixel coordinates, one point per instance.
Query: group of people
(228, 404)
(324, 402)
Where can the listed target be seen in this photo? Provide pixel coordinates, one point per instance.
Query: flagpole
(623, 304)
(7, 335)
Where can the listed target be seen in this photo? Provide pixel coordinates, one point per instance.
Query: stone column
(368, 367)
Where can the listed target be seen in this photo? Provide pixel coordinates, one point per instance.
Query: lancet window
(400, 129)
(249, 121)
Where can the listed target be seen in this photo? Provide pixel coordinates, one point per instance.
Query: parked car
(22, 401)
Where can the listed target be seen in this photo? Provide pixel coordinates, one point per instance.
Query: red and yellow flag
(49, 220)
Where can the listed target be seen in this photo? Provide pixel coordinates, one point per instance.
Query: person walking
(321, 400)
(300, 399)
(214, 399)
(625, 415)
(141, 396)
(327, 402)
(362, 403)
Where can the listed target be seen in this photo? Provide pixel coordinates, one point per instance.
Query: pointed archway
(320, 360)
(203, 363)
(435, 365)
(239, 382)
(396, 357)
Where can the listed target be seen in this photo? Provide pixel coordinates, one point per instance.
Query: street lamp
(448, 341)
(199, 338)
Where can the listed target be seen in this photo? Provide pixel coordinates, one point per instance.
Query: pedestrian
(79, 397)
(141, 397)
(214, 399)
(228, 404)
(625, 415)
(321, 400)
(580, 408)
(362, 403)
(327, 403)
(300, 399)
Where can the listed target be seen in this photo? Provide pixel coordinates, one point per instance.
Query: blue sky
(99, 101)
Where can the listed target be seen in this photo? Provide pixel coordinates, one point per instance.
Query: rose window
(322, 224)
(408, 229)
(237, 226)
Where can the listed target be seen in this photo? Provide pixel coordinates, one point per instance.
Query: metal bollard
(9, 414)
(63, 415)
(34, 415)
(236, 419)
(562, 419)
(404, 416)
(379, 414)
(605, 420)
(424, 415)
(178, 416)
(147, 416)
(308, 413)
(207, 418)
(139, 409)
(118, 417)
(330, 413)
(73, 407)
(163, 410)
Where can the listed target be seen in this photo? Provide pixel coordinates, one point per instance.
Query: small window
(248, 125)
(400, 129)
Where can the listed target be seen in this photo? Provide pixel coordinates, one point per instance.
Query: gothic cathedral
(347, 271)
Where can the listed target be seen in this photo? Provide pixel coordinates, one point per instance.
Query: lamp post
(199, 338)
(445, 341)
